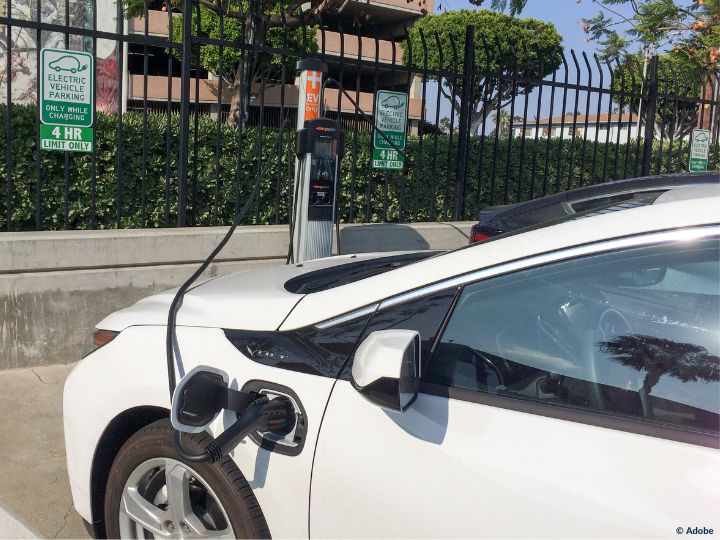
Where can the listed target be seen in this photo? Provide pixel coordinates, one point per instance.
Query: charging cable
(177, 300)
(262, 414)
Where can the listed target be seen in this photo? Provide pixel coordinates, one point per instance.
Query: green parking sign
(66, 100)
(66, 94)
(699, 150)
(66, 138)
(391, 109)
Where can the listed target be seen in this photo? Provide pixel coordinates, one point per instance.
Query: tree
(658, 357)
(253, 23)
(501, 119)
(445, 126)
(237, 68)
(689, 28)
(677, 76)
(503, 45)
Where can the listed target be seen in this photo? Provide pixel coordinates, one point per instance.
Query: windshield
(329, 278)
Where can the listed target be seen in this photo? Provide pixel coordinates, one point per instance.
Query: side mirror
(386, 368)
(649, 276)
(198, 399)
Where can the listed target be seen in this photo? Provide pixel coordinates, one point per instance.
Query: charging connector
(263, 414)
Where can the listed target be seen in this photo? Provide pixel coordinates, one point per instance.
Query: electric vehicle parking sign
(66, 100)
(391, 110)
(699, 150)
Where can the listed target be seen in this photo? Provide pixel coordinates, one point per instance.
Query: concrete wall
(55, 286)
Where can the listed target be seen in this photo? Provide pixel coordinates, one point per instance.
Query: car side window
(633, 333)
(624, 200)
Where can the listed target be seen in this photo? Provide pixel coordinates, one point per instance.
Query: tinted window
(617, 202)
(633, 333)
(308, 350)
(335, 276)
(424, 315)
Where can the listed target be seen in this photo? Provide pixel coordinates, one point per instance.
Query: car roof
(644, 183)
(681, 208)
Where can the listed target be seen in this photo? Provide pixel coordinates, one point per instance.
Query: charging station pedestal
(319, 149)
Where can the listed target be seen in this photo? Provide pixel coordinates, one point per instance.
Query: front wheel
(152, 493)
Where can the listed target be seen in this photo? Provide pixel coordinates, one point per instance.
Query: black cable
(263, 414)
(254, 413)
(172, 314)
(248, 421)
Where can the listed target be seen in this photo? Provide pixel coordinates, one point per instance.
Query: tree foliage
(677, 76)
(503, 45)
(688, 28)
(254, 23)
(659, 357)
(269, 67)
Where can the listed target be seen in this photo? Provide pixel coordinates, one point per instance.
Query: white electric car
(560, 382)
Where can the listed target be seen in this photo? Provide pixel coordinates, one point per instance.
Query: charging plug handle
(263, 414)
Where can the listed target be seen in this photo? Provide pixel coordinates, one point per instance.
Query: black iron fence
(187, 110)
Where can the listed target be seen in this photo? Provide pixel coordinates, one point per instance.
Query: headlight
(100, 337)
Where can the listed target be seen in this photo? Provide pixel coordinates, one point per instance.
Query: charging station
(320, 146)
(204, 392)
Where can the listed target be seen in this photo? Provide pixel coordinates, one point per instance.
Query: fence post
(650, 110)
(464, 127)
(184, 112)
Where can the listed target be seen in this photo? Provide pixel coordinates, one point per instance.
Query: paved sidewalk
(12, 527)
(35, 485)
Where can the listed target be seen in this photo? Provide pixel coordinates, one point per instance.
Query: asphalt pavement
(34, 486)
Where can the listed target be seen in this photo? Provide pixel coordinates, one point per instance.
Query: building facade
(153, 80)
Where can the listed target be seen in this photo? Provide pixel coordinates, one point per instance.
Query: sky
(565, 15)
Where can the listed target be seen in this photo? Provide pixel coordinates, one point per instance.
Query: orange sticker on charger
(312, 94)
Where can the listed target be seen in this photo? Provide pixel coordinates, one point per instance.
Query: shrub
(136, 182)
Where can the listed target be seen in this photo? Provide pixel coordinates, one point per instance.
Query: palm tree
(501, 119)
(658, 357)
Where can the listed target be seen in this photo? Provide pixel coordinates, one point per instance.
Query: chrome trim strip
(568, 253)
(367, 310)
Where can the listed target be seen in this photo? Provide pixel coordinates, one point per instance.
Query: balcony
(157, 91)
(386, 12)
(359, 48)
(157, 22)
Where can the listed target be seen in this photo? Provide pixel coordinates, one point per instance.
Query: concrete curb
(55, 286)
(12, 527)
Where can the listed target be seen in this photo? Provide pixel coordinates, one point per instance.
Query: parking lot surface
(35, 485)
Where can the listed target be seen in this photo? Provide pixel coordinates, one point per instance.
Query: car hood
(253, 299)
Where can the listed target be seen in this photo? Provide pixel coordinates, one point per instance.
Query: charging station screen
(324, 149)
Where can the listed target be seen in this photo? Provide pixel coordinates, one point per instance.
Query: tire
(219, 496)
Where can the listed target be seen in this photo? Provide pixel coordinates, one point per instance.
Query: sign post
(391, 111)
(699, 150)
(66, 100)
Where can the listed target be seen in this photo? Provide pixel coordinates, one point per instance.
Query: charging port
(285, 435)
(290, 439)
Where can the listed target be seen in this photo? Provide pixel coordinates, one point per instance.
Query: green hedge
(426, 187)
